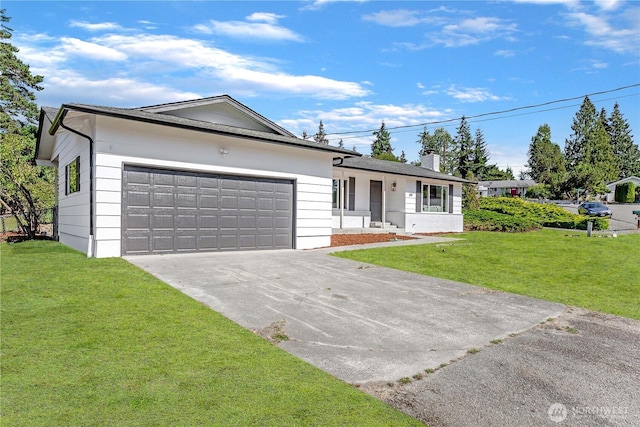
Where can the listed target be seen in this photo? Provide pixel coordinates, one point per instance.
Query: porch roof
(395, 168)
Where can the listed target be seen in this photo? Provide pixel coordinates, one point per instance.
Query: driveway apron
(357, 321)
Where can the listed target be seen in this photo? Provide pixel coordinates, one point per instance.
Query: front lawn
(597, 273)
(100, 342)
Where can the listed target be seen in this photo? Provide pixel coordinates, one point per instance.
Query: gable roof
(216, 101)
(50, 120)
(396, 168)
(631, 178)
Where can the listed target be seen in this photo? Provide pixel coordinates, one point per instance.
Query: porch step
(387, 225)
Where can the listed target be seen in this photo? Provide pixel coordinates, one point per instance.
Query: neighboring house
(610, 196)
(507, 187)
(368, 192)
(203, 175)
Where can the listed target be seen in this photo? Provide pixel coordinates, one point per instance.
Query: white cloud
(609, 4)
(602, 34)
(467, 94)
(100, 26)
(394, 18)
(319, 4)
(269, 18)
(160, 59)
(506, 53)
(255, 29)
(360, 116)
(80, 48)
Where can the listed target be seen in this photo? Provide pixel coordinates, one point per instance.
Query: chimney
(431, 161)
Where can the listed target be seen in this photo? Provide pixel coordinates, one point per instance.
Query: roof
(631, 178)
(518, 183)
(396, 168)
(213, 100)
(47, 115)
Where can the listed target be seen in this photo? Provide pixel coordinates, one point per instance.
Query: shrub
(524, 214)
(625, 193)
(484, 220)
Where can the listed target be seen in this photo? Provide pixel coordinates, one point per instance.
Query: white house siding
(400, 204)
(120, 142)
(73, 209)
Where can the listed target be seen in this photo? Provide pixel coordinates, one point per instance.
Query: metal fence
(47, 222)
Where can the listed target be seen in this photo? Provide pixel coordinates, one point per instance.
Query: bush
(483, 220)
(543, 215)
(625, 193)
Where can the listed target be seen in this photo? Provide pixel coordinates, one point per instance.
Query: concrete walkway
(359, 322)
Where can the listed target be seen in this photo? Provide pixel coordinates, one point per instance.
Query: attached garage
(168, 211)
(203, 175)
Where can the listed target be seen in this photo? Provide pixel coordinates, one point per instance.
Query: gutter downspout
(91, 226)
(384, 201)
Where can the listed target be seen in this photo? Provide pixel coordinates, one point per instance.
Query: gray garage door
(166, 211)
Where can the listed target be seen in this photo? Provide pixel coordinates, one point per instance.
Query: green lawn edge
(100, 342)
(599, 273)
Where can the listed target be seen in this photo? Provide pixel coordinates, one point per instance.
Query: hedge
(625, 193)
(518, 215)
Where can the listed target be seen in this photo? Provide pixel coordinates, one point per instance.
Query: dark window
(72, 176)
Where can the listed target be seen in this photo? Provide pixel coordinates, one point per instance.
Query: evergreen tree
(626, 152)
(546, 163)
(463, 144)
(340, 143)
(321, 137)
(25, 189)
(479, 155)
(588, 153)
(402, 158)
(441, 143)
(381, 146)
(304, 135)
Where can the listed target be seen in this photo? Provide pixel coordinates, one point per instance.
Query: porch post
(384, 201)
(341, 199)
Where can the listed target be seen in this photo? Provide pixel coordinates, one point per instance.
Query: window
(346, 196)
(435, 198)
(72, 176)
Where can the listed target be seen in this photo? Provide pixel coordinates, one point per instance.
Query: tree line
(600, 149)
(463, 155)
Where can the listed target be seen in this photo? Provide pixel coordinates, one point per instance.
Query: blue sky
(351, 64)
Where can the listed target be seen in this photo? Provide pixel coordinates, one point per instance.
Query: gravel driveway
(581, 369)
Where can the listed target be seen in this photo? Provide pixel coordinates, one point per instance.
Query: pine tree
(588, 153)
(463, 148)
(546, 163)
(480, 155)
(626, 152)
(341, 143)
(321, 137)
(402, 158)
(25, 189)
(304, 135)
(381, 146)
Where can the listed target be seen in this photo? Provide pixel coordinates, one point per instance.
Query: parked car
(594, 209)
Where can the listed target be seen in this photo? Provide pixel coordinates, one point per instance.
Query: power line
(493, 113)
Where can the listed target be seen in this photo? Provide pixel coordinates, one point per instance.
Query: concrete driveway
(359, 322)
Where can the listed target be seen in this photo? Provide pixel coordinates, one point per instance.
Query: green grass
(597, 273)
(99, 342)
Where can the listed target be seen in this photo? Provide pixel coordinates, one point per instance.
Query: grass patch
(596, 273)
(100, 342)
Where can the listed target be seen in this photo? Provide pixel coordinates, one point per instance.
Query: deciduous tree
(25, 189)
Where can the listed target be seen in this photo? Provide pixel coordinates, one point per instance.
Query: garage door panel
(162, 222)
(208, 201)
(174, 211)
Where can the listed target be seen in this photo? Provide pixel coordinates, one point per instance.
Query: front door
(375, 200)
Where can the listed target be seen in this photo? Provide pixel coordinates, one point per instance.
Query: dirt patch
(361, 239)
(274, 332)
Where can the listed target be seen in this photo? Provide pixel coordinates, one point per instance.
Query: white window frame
(428, 206)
